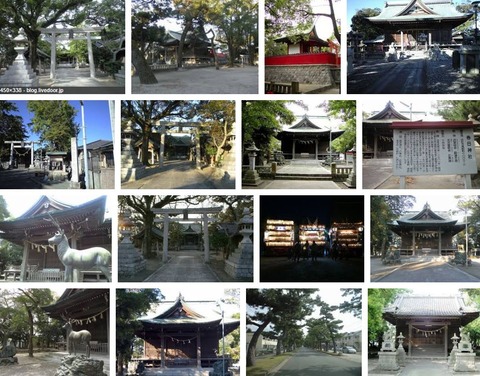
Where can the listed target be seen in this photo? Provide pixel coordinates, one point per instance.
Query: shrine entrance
(14, 145)
(428, 339)
(74, 33)
(168, 215)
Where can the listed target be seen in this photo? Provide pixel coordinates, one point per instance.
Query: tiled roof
(433, 306)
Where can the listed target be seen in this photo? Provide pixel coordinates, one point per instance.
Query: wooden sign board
(422, 149)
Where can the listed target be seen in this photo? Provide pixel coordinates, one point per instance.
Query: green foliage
(361, 25)
(261, 120)
(378, 299)
(79, 50)
(54, 122)
(346, 111)
(130, 305)
(175, 235)
(354, 305)
(458, 110)
(11, 127)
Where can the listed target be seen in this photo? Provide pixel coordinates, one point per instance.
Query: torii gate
(166, 213)
(162, 129)
(88, 30)
(22, 144)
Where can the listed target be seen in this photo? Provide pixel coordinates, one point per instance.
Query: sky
(324, 208)
(438, 201)
(421, 108)
(97, 119)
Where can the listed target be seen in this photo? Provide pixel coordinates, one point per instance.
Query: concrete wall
(305, 74)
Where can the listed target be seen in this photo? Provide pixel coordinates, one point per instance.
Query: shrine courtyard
(45, 363)
(202, 81)
(413, 75)
(180, 175)
(28, 179)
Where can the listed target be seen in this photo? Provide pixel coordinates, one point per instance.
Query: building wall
(306, 74)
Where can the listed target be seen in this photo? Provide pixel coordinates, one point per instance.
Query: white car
(348, 350)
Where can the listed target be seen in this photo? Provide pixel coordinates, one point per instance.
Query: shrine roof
(189, 313)
(416, 11)
(79, 304)
(306, 124)
(426, 217)
(310, 34)
(173, 38)
(388, 114)
(98, 144)
(409, 306)
(36, 221)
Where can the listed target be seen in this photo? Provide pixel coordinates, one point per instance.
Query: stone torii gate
(87, 31)
(162, 130)
(22, 144)
(205, 212)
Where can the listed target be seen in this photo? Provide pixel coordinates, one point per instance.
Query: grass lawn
(263, 365)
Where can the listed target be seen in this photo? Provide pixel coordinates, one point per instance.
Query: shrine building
(429, 322)
(427, 233)
(84, 225)
(184, 334)
(309, 138)
(415, 24)
(87, 309)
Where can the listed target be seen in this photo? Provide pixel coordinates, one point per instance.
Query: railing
(341, 171)
(320, 58)
(46, 275)
(274, 88)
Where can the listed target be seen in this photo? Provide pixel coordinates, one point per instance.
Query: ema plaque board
(440, 151)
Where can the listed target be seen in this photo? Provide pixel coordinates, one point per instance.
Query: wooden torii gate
(22, 144)
(166, 213)
(87, 31)
(162, 130)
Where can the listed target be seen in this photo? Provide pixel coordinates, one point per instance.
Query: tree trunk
(30, 334)
(186, 29)
(120, 365)
(278, 350)
(146, 133)
(253, 344)
(147, 239)
(144, 72)
(334, 22)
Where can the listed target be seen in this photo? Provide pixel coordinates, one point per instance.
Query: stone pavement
(297, 184)
(418, 367)
(377, 174)
(181, 175)
(206, 80)
(184, 266)
(426, 268)
(28, 179)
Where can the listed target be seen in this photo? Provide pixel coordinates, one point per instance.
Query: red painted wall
(298, 59)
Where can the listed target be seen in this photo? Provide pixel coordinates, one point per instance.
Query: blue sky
(97, 119)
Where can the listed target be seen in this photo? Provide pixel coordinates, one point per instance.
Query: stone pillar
(199, 349)
(74, 181)
(162, 349)
(165, 237)
(316, 149)
(198, 157)
(206, 240)
(161, 154)
(23, 267)
(53, 55)
(32, 151)
(413, 242)
(401, 37)
(91, 62)
(293, 148)
(12, 148)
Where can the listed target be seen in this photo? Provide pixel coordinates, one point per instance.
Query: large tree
(360, 23)
(275, 310)
(130, 305)
(346, 111)
(146, 115)
(143, 207)
(11, 127)
(261, 120)
(54, 122)
(218, 118)
(34, 15)
(459, 110)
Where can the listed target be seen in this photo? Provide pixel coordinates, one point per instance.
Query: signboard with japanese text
(433, 151)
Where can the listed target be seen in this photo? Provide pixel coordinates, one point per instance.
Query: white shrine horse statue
(81, 260)
(77, 338)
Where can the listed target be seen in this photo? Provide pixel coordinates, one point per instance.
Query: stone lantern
(20, 73)
(453, 353)
(132, 168)
(251, 176)
(401, 351)
(240, 264)
(130, 260)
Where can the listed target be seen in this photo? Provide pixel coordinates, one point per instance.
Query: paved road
(184, 267)
(431, 271)
(27, 179)
(402, 77)
(307, 362)
(174, 175)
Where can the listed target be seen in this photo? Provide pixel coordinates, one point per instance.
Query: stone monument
(465, 357)
(130, 259)
(387, 357)
(218, 371)
(7, 354)
(19, 74)
(80, 366)
(391, 54)
(132, 168)
(240, 263)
